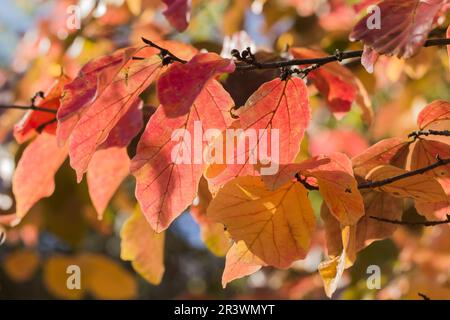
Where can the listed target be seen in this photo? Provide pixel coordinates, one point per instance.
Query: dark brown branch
(338, 56)
(32, 106)
(419, 133)
(167, 56)
(380, 183)
(423, 296)
(413, 223)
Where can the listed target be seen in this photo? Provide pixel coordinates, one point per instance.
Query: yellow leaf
(239, 262)
(275, 225)
(331, 271)
(143, 247)
(99, 275)
(135, 6)
(55, 277)
(21, 265)
(106, 279)
(212, 233)
(418, 187)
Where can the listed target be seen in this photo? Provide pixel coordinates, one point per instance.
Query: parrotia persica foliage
(199, 150)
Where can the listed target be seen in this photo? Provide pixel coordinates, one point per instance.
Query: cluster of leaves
(256, 220)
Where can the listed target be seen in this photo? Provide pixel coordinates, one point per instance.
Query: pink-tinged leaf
(369, 58)
(180, 85)
(335, 82)
(106, 111)
(404, 26)
(178, 13)
(277, 105)
(35, 120)
(90, 83)
(110, 164)
(166, 187)
(349, 142)
(239, 262)
(438, 110)
(339, 188)
(389, 151)
(107, 169)
(34, 175)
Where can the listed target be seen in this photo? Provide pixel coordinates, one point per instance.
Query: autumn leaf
(34, 175)
(143, 247)
(424, 153)
(178, 13)
(277, 107)
(331, 271)
(96, 274)
(389, 151)
(376, 204)
(403, 28)
(106, 111)
(92, 80)
(36, 120)
(276, 226)
(418, 187)
(180, 85)
(438, 110)
(166, 186)
(339, 188)
(107, 169)
(336, 83)
(110, 164)
(239, 262)
(212, 233)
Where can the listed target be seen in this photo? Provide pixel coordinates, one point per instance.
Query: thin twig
(165, 54)
(413, 223)
(380, 183)
(343, 55)
(423, 296)
(32, 106)
(419, 133)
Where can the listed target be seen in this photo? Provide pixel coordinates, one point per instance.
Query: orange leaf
(436, 111)
(34, 175)
(212, 233)
(239, 262)
(34, 119)
(166, 187)
(418, 187)
(275, 225)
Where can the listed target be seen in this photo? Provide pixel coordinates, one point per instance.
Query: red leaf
(335, 82)
(34, 119)
(106, 172)
(93, 79)
(110, 165)
(404, 26)
(276, 105)
(389, 151)
(108, 108)
(436, 111)
(180, 85)
(178, 13)
(164, 188)
(34, 175)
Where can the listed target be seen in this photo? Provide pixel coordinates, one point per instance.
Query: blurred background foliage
(35, 45)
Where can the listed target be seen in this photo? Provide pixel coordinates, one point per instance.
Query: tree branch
(413, 223)
(419, 133)
(32, 106)
(338, 56)
(380, 183)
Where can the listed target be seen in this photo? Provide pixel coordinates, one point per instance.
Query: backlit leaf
(275, 225)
